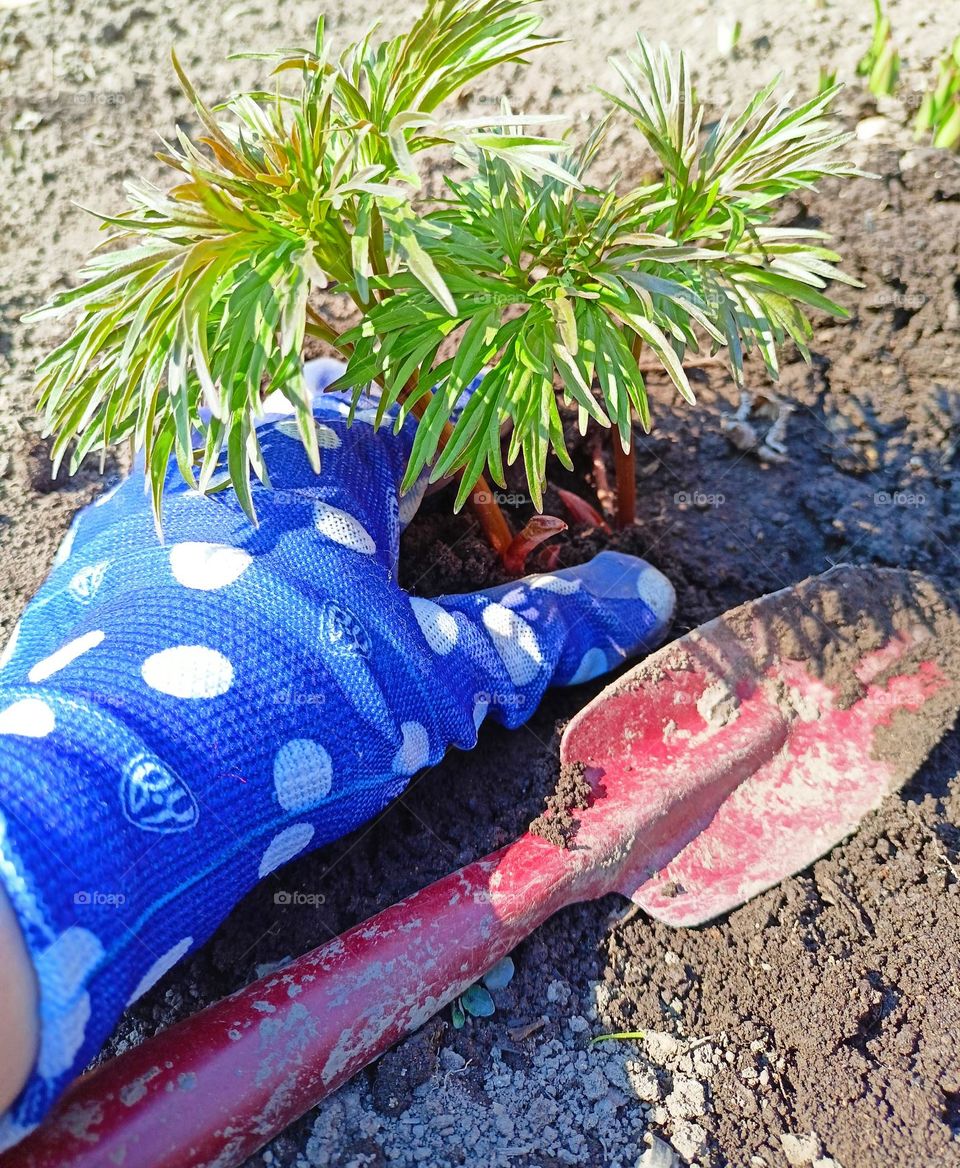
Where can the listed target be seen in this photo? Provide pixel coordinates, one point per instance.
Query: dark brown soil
(559, 822)
(832, 1001)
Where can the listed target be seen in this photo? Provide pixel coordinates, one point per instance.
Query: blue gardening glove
(179, 719)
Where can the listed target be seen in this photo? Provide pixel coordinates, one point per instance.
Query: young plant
(752, 280)
(729, 32)
(880, 64)
(524, 272)
(477, 1000)
(206, 305)
(556, 281)
(939, 113)
(826, 78)
(620, 1036)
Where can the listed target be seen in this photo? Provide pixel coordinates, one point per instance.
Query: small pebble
(658, 1155)
(800, 1150)
(450, 1060)
(558, 992)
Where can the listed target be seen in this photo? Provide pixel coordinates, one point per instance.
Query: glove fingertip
(617, 576)
(658, 594)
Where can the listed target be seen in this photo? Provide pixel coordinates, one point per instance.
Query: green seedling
(729, 32)
(477, 1001)
(525, 268)
(826, 79)
(880, 65)
(939, 113)
(622, 1036)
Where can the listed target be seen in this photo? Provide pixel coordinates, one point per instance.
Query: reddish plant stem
(494, 524)
(539, 528)
(601, 480)
(581, 511)
(625, 464)
(482, 503)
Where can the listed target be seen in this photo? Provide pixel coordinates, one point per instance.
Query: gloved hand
(179, 719)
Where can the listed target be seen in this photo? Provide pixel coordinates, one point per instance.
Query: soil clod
(558, 823)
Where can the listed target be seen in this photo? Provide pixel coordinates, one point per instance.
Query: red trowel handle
(219, 1085)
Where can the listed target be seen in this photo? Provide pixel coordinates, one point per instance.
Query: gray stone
(800, 1150)
(643, 1081)
(659, 1154)
(660, 1046)
(451, 1061)
(558, 992)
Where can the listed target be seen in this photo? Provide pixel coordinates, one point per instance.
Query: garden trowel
(723, 763)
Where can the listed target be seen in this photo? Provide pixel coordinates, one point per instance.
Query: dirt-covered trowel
(723, 763)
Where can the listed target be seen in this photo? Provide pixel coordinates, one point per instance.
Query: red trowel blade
(853, 678)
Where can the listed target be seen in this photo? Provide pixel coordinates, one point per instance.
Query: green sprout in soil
(524, 269)
(729, 32)
(826, 78)
(621, 1036)
(939, 113)
(477, 1001)
(880, 64)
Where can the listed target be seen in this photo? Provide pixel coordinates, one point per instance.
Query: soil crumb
(557, 823)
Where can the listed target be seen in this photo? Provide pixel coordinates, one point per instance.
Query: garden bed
(828, 1005)
(831, 1004)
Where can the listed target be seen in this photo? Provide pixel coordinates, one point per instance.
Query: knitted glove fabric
(180, 718)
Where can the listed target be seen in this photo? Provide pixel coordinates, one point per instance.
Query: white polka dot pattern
(28, 718)
(410, 502)
(367, 417)
(480, 707)
(284, 846)
(207, 567)
(655, 590)
(107, 495)
(11, 646)
(327, 437)
(415, 751)
(163, 964)
(437, 625)
(342, 528)
(188, 671)
(62, 969)
(516, 596)
(515, 641)
(555, 584)
(65, 655)
(66, 546)
(302, 774)
(594, 663)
